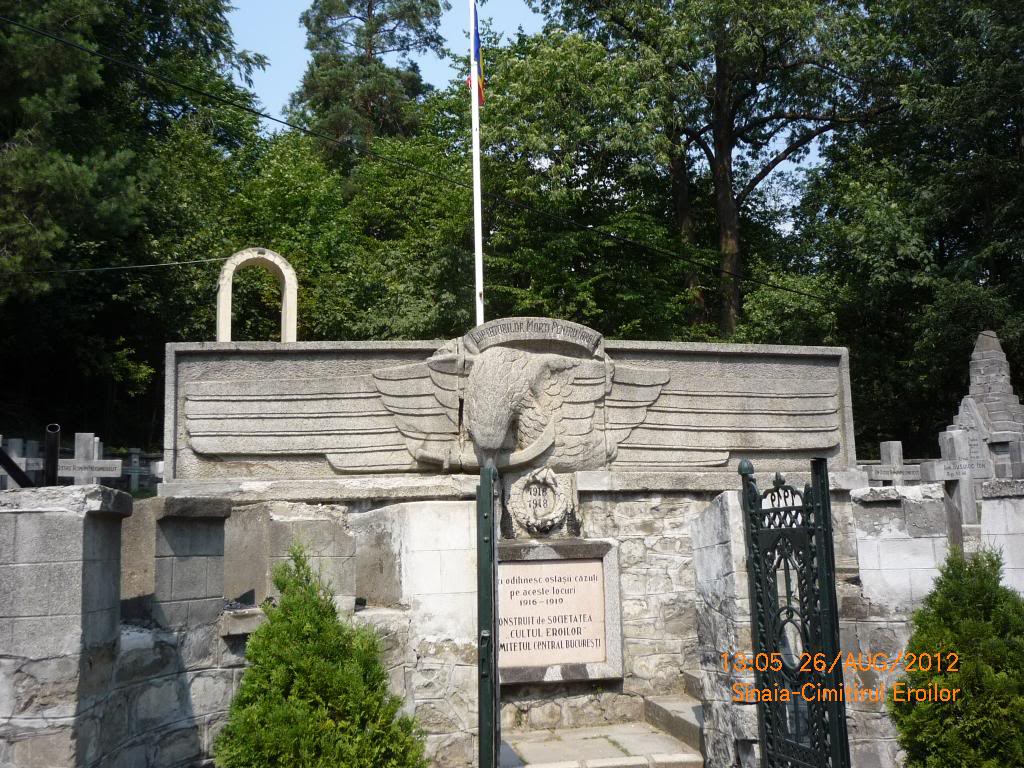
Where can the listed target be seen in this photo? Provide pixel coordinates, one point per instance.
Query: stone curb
(673, 760)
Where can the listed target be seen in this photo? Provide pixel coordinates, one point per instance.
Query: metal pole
(478, 232)
(51, 454)
(489, 689)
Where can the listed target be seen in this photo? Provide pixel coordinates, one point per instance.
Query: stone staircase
(669, 737)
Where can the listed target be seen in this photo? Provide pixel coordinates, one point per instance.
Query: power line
(493, 196)
(111, 269)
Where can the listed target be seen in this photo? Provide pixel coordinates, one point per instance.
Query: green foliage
(348, 92)
(971, 614)
(315, 693)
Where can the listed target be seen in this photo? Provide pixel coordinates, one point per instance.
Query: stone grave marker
(86, 467)
(892, 470)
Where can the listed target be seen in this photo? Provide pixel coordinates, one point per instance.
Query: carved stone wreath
(531, 509)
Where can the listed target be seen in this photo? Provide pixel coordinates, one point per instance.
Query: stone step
(619, 745)
(680, 716)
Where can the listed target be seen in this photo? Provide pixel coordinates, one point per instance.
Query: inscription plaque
(551, 612)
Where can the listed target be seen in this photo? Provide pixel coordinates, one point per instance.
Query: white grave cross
(892, 470)
(86, 467)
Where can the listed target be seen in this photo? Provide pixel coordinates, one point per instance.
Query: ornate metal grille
(791, 568)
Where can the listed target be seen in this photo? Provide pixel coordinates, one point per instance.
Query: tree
(349, 91)
(315, 693)
(85, 184)
(971, 615)
(746, 84)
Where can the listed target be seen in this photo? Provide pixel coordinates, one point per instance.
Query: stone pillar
(189, 566)
(1002, 527)
(902, 540)
(723, 625)
(60, 551)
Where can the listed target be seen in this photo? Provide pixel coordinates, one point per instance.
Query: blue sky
(272, 27)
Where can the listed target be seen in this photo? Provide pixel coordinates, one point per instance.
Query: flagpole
(478, 230)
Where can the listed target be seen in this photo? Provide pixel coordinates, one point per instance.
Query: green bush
(970, 613)
(315, 693)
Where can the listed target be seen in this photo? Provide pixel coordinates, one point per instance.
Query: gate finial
(746, 468)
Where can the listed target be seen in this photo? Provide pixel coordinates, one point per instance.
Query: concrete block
(867, 554)
(23, 589)
(890, 587)
(921, 583)
(193, 507)
(215, 577)
(206, 537)
(447, 616)
(458, 570)
(1013, 550)
(189, 578)
(434, 525)
(172, 539)
(101, 627)
(243, 621)
(906, 553)
(8, 524)
(163, 579)
(171, 613)
(45, 636)
(100, 584)
(46, 537)
(206, 611)
(422, 572)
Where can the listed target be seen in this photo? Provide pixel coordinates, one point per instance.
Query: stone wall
(79, 688)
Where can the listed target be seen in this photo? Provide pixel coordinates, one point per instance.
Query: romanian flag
(478, 60)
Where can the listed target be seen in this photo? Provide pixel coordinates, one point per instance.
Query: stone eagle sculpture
(452, 411)
(523, 392)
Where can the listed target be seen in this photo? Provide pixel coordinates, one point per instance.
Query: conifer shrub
(315, 693)
(971, 614)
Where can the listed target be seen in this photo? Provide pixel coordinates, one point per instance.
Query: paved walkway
(626, 745)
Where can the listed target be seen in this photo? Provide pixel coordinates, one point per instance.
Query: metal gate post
(489, 715)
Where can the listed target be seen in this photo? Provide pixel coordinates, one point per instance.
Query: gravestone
(891, 470)
(985, 440)
(86, 467)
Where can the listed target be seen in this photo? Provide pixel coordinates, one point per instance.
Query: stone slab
(622, 745)
(81, 499)
(594, 556)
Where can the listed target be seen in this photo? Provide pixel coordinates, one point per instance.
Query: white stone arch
(279, 267)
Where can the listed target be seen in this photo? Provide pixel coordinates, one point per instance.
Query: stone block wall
(259, 536)
(904, 534)
(902, 539)
(176, 670)
(867, 628)
(416, 569)
(1002, 527)
(77, 686)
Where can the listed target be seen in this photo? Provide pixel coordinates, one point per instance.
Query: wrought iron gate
(795, 623)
